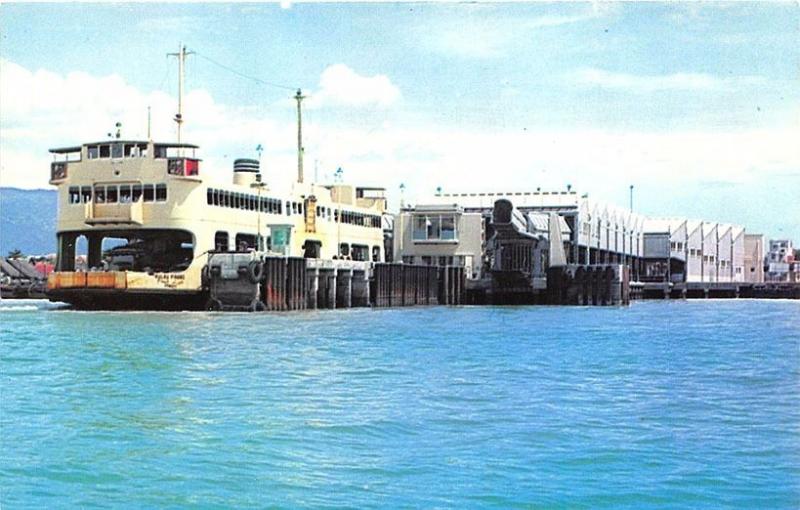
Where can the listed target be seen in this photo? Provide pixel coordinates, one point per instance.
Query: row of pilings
(284, 284)
(408, 285)
(597, 285)
(293, 283)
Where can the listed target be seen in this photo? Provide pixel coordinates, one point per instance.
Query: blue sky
(696, 104)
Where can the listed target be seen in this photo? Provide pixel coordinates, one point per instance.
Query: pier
(717, 290)
(237, 283)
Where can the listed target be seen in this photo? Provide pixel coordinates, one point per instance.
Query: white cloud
(340, 85)
(600, 162)
(41, 109)
(654, 83)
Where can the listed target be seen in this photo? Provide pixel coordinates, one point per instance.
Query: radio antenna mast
(182, 53)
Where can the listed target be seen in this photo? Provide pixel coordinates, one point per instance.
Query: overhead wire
(164, 78)
(306, 141)
(243, 75)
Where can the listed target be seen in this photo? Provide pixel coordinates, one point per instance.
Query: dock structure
(243, 282)
(595, 285)
(283, 286)
(334, 284)
(717, 290)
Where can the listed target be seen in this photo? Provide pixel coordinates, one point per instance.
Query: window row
(248, 202)
(356, 218)
(116, 150)
(432, 260)
(439, 227)
(117, 193)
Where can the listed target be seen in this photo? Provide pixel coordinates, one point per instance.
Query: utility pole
(299, 98)
(182, 53)
(148, 124)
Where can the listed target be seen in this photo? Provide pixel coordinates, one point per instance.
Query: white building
(683, 250)
(440, 235)
(600, 232)
(754, 258)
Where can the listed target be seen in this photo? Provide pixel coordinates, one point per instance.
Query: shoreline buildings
(783, 265)
(455, 228)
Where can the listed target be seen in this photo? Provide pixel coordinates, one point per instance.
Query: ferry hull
(113, 299)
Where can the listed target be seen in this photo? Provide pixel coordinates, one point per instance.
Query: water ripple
(660, 405)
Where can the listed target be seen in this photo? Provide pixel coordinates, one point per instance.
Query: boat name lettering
(169, 279)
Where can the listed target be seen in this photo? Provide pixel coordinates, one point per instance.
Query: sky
(697, 105)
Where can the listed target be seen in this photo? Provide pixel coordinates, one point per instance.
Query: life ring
(213, 305)
(255, 271)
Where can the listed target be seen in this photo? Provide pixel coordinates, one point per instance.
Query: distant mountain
(28, 220)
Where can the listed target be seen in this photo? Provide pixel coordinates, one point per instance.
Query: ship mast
(299, 98)
(182, 53)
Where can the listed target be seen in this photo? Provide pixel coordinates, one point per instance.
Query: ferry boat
(150, 218)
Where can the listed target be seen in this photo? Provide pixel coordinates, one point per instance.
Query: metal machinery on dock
(528, 264)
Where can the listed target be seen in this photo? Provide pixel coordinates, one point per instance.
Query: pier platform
(291, 283)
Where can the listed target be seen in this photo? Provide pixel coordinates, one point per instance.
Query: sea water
(669, 404)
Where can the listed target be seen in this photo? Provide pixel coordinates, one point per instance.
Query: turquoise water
(660, 405)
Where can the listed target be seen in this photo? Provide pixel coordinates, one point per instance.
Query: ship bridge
(178, 159)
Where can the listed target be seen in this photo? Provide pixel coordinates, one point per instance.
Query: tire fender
(255, 271)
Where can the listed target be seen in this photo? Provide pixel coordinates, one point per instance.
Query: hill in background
(28, 221)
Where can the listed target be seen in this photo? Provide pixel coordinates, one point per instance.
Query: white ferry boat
(149, 219)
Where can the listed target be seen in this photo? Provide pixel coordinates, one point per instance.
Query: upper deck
(123, 185)
(138, 160)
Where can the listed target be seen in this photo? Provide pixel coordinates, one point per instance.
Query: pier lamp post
(338, 178)
(631, 197)
(259, 184)
(402, 195)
